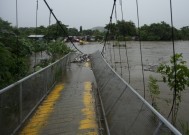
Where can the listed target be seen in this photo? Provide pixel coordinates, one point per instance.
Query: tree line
(154, 32)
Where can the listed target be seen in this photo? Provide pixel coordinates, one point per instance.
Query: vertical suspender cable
(36, 33)
(118, 44)
(140, 48)
(174, 61)
(48, 36)
(128, 65)
(114, 56)
(50, 17)
(17, 44)
(120, 1)
(108, 31)
(49, 26)
(57, 30)
(110, 52)
(17, 14)
(126, 52)
(114, 43)
(116, 12)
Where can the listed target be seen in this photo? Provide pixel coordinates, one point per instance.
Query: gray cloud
(90, 13)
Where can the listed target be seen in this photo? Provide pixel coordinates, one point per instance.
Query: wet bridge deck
(69, 108)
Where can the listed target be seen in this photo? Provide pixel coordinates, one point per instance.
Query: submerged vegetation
(153, 88)
(57, 49)
(14, 54)
(154, 32)
(16, 50)
(176, 76)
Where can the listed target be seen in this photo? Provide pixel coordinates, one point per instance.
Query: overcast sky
(91, 13)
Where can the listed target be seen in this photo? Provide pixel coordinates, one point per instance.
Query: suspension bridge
(83, 93)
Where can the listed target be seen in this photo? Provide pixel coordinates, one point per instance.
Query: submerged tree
(126, 28)
(122, 29)
(54, 31)
(57, 49)
(154, 91)
(185, 33)
(158, 32)
(177, 82)
(14, 52)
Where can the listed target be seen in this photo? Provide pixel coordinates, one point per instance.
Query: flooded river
(153, 53)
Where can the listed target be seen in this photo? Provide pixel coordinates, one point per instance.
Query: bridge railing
(125, 110)
(20, 99)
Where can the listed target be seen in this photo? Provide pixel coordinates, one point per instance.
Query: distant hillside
(100, 28)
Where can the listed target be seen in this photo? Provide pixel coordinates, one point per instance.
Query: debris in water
(81, 59)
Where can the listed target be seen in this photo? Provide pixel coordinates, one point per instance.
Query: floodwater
(153, 54)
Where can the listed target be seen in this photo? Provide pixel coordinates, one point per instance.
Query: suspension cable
(114, 41)
(128, 65)
(120, 63)
(174, 61)
(116, 13)
(17, 44)
(17, 14)
(109, 47)
(57, 30)
(140, 48)
(120, 1)
(61, 27)
(50, 17)
(49, 26)
(36, 19)
(114, 56)
(126, 51)
(108, 31)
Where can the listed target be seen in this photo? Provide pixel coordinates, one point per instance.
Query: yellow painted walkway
(69, 108)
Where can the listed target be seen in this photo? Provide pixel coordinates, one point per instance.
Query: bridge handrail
(159, 116)
(31, 75)
(20, 99)
(165, 121)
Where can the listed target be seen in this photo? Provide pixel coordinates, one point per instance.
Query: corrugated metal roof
(36, 36)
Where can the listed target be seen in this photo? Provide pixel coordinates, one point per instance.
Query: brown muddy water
(153, 53)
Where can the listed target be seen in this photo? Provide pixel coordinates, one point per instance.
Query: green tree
(4, 25)
(185, 33)
(57, 50)
(98, 35)
(25, 32)
(14, 54)
(54, 31)
(80, 29)
(41, 30)
(154, 90)
(112, 30)
(126, 28)
(121, 29)
(6, 61)
(158, 32)
(73, 32)
(182, 74)
(88, 32)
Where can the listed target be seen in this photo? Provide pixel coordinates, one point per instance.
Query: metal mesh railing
(125, 110)
(20, 99)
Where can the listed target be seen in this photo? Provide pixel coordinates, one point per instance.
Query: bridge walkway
(69, 109)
